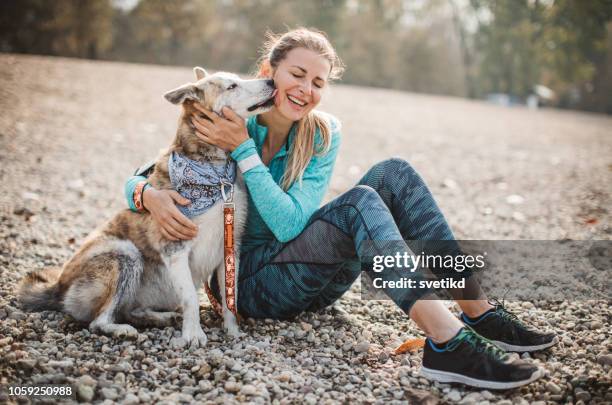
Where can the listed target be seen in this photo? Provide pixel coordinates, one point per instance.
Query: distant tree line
(467, 48)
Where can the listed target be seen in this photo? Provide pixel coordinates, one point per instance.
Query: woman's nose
(306, 88)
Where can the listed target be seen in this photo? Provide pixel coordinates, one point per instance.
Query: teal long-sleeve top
(273, 212)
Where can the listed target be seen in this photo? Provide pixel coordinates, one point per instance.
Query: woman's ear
(265, 70)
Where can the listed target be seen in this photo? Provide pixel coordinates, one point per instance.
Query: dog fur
(126, 273)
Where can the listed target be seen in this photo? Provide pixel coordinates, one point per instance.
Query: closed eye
(232, 86)
(317, 85)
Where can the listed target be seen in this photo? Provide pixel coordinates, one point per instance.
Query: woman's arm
(162, 206)
(286, 213)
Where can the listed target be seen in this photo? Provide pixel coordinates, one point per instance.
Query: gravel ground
(71, 132)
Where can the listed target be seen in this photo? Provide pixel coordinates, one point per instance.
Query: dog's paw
(125, 331)
(194, 338)
(234, 331)
(178, 343)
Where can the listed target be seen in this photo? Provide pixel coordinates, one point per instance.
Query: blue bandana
(199, 182)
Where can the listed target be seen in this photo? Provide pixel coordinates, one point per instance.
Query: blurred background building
(528, 52)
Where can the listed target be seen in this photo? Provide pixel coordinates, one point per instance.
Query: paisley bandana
(199, 182)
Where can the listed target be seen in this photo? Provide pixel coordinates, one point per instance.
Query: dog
(126, 273)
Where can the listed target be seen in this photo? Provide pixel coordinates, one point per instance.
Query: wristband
(138, 193)
(250, 162)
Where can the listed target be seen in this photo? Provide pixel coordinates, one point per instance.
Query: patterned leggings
(390, 203)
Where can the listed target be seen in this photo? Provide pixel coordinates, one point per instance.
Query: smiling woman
(297, 257)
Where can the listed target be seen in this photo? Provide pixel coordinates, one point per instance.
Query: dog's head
(222, 89)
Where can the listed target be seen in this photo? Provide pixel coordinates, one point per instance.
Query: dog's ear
(180, 94)
(200, 73)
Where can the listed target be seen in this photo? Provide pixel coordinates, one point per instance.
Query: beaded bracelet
(138, 193)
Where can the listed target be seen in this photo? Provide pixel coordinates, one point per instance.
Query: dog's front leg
(176, 258)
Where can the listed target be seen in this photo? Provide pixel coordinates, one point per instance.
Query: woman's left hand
(224, 132)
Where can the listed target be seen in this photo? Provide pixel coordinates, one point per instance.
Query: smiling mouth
(264, 104)
(295, 101)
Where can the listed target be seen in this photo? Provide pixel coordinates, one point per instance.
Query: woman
(296, 256)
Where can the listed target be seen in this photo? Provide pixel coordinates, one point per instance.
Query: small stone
(26, 364)
(553, 388)
(130, 399)
(488, 395)
(310, 399)
(582, 395)
(285, 376)
(232, 387)
(454, 396)
(248, 389)
(109, 393)
(60, 363)
(85, 393)
(605, 359)
(515, 199)
(362, 346)
(6, 341)
(471, 398)
(120, 378)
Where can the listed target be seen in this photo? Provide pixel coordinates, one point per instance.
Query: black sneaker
(470, 359)
(505, 330)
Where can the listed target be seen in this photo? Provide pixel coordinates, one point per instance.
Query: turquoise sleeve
(244, 150)
(130, 185)
(286, 213)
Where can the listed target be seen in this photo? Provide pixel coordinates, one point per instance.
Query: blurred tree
(80, 28)
(558, 43)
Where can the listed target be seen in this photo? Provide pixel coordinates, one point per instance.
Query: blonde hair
(274, 50)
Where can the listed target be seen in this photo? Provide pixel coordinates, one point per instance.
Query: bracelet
(138, 193)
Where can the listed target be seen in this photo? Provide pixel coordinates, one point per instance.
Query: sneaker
(470, 359)
(504, 329)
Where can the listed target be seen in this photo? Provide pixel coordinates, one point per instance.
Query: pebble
(582, 395)
(596, 325)
(454, 396)
(605, 359)
(248, 389)
(515, 199)
(85, 392)
(109, 393)
(232, 386)
(362, 346)
(553, 388)
(471, 398)
(285, 376)
(60, 363)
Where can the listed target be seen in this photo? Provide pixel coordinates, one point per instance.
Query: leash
(229, 256)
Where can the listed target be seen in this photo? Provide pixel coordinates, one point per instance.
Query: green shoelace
(479, 343)
(508, 316)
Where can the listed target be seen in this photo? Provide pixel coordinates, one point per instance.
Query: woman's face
(300, 79)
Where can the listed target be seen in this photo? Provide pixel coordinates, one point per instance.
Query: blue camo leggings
(390, 203)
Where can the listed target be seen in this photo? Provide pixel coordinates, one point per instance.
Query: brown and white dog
(126, 271)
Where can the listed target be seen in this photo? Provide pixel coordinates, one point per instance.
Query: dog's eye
(232, 86)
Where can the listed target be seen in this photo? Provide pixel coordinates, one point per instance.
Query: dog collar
(199, 182)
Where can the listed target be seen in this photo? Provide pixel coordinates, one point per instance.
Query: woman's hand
(172, 223)
(226, 133)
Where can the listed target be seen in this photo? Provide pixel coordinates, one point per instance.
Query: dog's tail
(39, 291)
